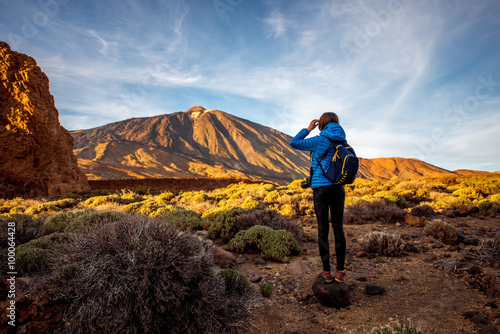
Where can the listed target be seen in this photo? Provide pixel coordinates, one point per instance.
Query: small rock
(292, 331)
(474, 209)
(223, 258)
(299, 267)
(479, 319)
(361, 279)
(259, 260)
(414, 221)
(398, 224)
(373, 289)
(400, 278)
(361, 254)
(255, 279)
(450, 213)
(437, 245)
(240, 260)
(201, 233)
(469, 314)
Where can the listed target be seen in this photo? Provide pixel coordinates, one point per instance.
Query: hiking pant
(330, 199)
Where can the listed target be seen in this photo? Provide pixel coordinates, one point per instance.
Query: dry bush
(488, 253)
(361, 212)
(382, 243)
(443, 231)
(422, 211)
(139, 275)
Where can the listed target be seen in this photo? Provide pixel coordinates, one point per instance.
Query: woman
(328, 198)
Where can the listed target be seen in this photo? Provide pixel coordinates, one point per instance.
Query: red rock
(36, 157)
(414, 221)
(223, 257)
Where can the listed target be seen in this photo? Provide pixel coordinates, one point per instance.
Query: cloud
(276, 24)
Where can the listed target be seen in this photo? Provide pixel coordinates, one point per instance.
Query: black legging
(330, 198)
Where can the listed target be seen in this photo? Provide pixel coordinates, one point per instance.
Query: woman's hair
(327, 118)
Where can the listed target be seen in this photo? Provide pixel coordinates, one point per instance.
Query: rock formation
(36, 157)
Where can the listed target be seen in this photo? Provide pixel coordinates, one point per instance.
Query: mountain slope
(200, 143)
(193, 143)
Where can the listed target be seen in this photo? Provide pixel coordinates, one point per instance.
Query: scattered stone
(331, 294)
(469, 314)
(479, 319)
(398, 224)
(437, 245)
(456, 265)
(201, 233)
(240, 260)
(361, 278)
(399, 278)
(474, 209)
(373, 289)
(223, 258)
(292, 331)
(361, 254)
(472, 241)
(450, 213)
(259, 260)
(414, 221)
(255, 279)
(299, 267)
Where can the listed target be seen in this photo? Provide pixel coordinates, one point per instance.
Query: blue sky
(415, 79)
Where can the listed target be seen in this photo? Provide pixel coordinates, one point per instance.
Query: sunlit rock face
(36, 152)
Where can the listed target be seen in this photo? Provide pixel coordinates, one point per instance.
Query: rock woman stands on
(328, 198)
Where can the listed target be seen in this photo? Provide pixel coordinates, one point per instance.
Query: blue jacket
(318, 145)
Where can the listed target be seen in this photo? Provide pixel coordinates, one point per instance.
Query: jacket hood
(333, 131)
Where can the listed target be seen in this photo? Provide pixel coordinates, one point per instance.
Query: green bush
(39, 208)
(185, 220)
(147, 208)
(165, 198)
(34, 256)
(199, 198)
(64, 203)
(272, 196)
(235, 281)
(391, 197)
(266, 289)
(495, 198)
(78, 220)
(376, 210)
(250, 203)
(222, 226)
(115, 198)
(212, 213)
(275, 245)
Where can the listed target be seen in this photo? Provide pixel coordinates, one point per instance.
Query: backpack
(344, 165)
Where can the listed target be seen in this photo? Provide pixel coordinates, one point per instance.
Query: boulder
(36, 154)
(332, 294)
(414, 221)
(223, 258)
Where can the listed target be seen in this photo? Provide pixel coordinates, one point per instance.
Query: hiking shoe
(328, 276)
(339, 276)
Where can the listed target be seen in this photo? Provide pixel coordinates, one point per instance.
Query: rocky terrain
(36, 157)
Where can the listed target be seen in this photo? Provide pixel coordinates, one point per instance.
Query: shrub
(391, 198)
(135, 263)
(235, 281)
(382, 243)
(275, 245)
(78, 220)
(223, 225)
(250, 203)
(165, 198)
(398, 329)
(39, 208)
(495, 198)
(442, 231)
(115, 198)
(376, 210)
(34, 256)
(64, 203)
(268, 187)
(147, 208)
(287, 210)
(185, 220)
(27, 228)
(212, 213)
(272, 196)
(67, 271)
(266, 289)
(422, 211)
(199, 198)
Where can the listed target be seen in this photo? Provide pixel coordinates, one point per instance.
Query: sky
(407, 78)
